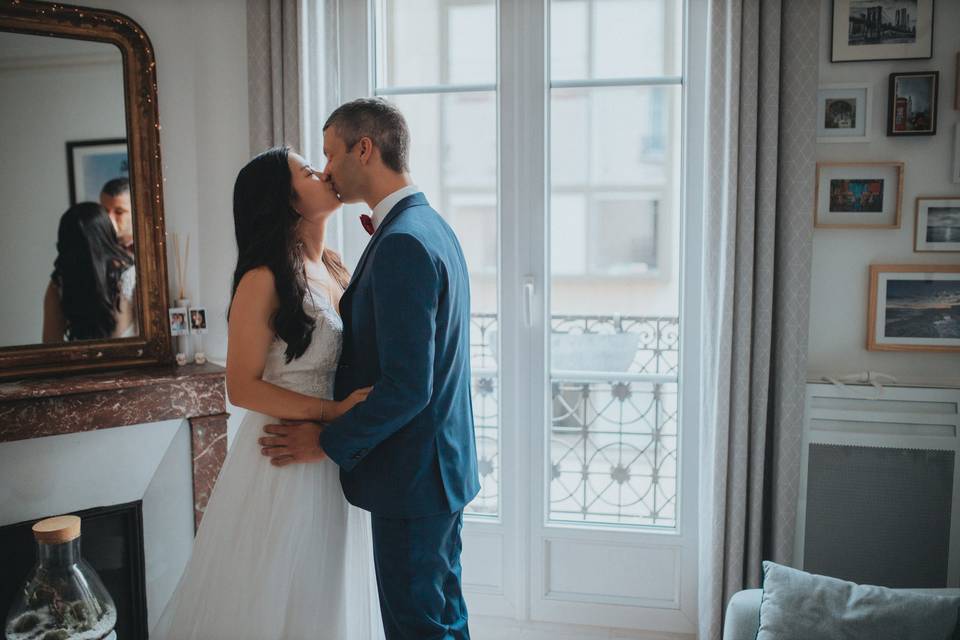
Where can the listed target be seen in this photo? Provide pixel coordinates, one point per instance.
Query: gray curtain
(762, 81)
(273, 73)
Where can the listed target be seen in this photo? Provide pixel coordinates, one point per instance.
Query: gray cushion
(799, 605)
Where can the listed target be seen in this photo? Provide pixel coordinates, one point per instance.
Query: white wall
(201, 54)
(45, 103)
(841, 257)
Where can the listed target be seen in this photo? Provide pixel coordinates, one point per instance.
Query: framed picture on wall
(956, 152)
(956, 83)
(858, 195)
(882, 30)
(912, 105)
(843, 113)
(92, 163)
(914, 308)
(937, 224)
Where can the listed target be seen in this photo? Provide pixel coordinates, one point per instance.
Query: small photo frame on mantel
(914, 308)
(843, 113)
(198, 320)
(912, 104)
(937, 224)
(858, 195)
(882, 30)
(178, 321)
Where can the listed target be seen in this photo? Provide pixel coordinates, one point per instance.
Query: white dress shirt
(384, 206)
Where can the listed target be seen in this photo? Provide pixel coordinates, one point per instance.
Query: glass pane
(431, 42)
(615, 293)
(453, 158)
(615, 38)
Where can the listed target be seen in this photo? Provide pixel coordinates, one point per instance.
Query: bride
(280, 554)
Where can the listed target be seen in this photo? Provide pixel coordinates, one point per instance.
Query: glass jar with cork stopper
(63, 598)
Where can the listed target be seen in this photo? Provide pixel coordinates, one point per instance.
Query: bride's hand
(341, 407)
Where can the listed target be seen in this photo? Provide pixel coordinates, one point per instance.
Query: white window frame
(512, 587)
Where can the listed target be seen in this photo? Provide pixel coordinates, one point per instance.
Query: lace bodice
(312, 373)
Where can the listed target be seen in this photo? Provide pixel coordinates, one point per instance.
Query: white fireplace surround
(151, 462)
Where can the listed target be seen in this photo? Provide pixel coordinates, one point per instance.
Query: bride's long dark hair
(87, 271)
(266, 229)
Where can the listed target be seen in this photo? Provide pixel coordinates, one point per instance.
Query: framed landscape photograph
(858, 195)
(843, 113)
(937, 224)
(882, 30)
(914, 308)
(912, 107)
(92, 163)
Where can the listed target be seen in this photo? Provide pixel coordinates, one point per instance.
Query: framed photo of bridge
(882, 30)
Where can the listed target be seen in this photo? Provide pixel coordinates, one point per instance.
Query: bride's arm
(249, 337)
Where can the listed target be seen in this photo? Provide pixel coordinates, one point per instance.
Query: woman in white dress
(92, 290)
(280, 554)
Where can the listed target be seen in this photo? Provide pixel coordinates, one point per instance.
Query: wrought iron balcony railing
(613, 438)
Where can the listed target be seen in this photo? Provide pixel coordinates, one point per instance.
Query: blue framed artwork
(93, 163)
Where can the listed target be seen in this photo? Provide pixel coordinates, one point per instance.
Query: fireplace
(111, 543)
(135, 454)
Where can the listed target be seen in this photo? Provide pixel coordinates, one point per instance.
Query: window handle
(528, 291)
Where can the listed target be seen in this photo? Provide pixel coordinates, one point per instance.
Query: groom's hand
(292, 443)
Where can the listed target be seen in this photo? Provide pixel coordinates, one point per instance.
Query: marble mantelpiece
(43, 407)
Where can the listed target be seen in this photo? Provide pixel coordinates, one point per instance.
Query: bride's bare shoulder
(256, 289)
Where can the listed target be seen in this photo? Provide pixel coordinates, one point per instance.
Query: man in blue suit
(407, 454)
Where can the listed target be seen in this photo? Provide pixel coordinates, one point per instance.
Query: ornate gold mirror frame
(152, 346)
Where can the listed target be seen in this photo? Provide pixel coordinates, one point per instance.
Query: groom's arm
(407, 286)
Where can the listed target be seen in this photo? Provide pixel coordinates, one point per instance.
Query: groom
(406, 454)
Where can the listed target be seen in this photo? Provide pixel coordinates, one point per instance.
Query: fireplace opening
(111, 541)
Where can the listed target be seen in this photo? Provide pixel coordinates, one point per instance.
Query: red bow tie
(367, 223)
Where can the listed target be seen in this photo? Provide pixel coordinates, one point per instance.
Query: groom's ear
(366, 149)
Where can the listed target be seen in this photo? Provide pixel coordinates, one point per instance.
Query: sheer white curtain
(293, 72)
(762, 81)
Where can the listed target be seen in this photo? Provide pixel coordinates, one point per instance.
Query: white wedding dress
(280, 554)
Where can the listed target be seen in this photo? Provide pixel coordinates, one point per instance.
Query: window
(549, 134)
(436, 59)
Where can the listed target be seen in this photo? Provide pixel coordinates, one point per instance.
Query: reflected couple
(92, 290)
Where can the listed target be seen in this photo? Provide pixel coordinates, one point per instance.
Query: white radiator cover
(880, 485)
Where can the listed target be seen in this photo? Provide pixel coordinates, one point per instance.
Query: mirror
(66, 225)
(82, 262)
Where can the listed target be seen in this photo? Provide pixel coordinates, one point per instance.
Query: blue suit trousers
(418, 576)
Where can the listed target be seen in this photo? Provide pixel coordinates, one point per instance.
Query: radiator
(880, 485)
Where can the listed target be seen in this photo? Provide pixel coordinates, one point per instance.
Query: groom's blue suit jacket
(409, 449)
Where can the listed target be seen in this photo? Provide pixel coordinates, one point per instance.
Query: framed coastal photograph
(852, 195)
(937, 224)
(914, 308)
(912, 104)
(843, 113)
(93, 163)
(882, 30)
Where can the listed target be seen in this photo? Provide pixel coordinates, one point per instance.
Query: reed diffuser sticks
(181, 260)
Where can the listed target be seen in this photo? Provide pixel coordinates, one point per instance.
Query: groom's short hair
(379, 120)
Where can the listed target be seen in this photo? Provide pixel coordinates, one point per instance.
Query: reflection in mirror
(66, 230)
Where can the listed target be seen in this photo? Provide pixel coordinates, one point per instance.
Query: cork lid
(57, 530)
